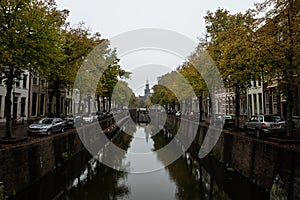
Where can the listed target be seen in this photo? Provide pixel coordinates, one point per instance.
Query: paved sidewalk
(17, 131)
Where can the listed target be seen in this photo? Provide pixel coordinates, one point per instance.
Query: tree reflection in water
(104, 184)
(186, 178)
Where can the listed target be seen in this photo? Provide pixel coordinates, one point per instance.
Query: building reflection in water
(186, 178)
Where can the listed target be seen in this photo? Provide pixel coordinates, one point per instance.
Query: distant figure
(277, 190)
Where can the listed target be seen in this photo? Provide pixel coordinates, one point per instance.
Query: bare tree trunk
(237, 107)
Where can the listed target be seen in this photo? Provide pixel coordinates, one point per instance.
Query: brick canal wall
(23, 164)
(258, 160)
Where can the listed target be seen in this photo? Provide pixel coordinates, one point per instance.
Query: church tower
(147, 90)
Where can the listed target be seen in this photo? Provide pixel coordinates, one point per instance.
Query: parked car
(46, 126)
(178, 114)
(100, 115)
(89, 117)
(265, 125)
(108, 114)
(228, 121)
(171, 112)
(189, 115)
(73, 121)
(94, 115)
(196, 116)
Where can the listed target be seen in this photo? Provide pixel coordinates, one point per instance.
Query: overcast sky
(114, 17)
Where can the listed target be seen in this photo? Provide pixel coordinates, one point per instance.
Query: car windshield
(45, 121)
(273, 118)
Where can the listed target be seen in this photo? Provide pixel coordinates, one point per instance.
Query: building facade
(19, 98)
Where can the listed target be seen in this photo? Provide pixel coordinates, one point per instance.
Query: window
(267, 104)
(24, 81)
(43, 83)
(250, 104)
(42, 103)
(17, 83)
(273, 118)
(255, 103)
(275, 103)
(260, 104)
(58, 121)
(34, 80)
(15, 106)
(34, 103)
(23, 104)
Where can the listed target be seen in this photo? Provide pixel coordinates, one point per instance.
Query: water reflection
(103, 184)
(186, 178)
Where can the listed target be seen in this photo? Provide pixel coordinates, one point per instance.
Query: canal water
(84, 177)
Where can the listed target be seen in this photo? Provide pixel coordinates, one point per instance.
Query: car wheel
(49, 132)
(257, 133)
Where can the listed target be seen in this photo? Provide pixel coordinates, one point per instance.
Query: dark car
(265, 125)
(73, 121)
(228, 121)
(46, 126)
(100, 115)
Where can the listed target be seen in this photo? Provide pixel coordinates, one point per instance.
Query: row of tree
(35, 37)
(261, 44)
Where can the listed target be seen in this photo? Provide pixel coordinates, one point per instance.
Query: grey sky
(114, 17)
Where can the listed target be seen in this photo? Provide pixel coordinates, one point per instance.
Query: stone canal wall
(258, 160)
(23, 164)
(261, 161)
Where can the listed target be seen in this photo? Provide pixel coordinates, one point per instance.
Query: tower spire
(147, 90)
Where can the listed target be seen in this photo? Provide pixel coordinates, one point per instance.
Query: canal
(84, 177)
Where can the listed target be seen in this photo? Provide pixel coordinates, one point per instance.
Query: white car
(178, 114)
(46, 126)
(87, 118)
